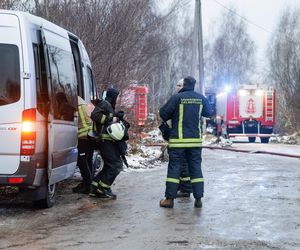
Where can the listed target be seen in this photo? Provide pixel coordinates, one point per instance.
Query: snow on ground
(148, 151)
(286, 139)
(148, 158)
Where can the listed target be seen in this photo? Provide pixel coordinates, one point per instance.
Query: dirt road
(251, 202)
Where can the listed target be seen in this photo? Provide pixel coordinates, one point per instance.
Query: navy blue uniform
(185, 109)
(103, 115)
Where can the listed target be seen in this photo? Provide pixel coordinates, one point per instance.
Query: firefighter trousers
(112, 163)
(85, 160)
(185, 185)
(177, 158)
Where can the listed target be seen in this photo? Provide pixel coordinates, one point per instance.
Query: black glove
(119, 114)
(165, 130)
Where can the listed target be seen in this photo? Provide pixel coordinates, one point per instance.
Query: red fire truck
(134, 101)
(248, 111)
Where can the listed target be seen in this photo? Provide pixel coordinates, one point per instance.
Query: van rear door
(62, 120)
(11, 93)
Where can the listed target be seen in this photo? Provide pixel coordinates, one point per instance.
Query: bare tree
(126, 40)
(284, 63)
(229, 57)
(173, 60)
(122, 37)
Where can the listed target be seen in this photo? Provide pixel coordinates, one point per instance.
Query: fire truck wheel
(264, 139)
(251, 139)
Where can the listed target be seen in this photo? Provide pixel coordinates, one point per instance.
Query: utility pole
(197, 51)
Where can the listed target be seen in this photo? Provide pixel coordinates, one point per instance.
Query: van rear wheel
(49, 200)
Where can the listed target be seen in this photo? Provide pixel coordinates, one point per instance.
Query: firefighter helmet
(116, 131)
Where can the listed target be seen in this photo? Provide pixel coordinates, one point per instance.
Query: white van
(43, 68)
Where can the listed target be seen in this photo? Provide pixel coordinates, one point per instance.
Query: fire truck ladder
(269, 106)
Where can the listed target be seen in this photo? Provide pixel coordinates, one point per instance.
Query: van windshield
(9, 74)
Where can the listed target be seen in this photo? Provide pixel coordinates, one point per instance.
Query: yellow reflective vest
(84, 121)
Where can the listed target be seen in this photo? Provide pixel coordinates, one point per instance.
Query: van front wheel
(49, 199)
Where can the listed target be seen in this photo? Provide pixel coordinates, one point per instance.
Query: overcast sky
(262, 13)
(260, 16)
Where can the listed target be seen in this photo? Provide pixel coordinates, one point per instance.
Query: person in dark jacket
(185, 109)
(104, 115)
(185, 186)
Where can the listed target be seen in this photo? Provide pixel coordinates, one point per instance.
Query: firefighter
(185, 109)
(85, 147)
(185, 186)
(104, 115)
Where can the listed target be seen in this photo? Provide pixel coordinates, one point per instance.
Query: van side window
(41, 80)
(78, 67)
(10, 88)
(92, 84)
(64, 83)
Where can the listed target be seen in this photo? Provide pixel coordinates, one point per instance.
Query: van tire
(49, 200)
(97, 162)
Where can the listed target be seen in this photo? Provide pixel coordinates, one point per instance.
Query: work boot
(182, 194)
(167, 203)
(109, 194)
(93, 190)
(100, 192)
(81, 189)
(198, 203)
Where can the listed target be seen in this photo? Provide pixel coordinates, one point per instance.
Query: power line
(244, 18)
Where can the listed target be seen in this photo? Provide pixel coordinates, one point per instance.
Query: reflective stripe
(197, 180)
(185, 178)
(106, 137)
(103, 119)
(199, 126)
(185, 145)
(83, 131)
(82, 134)
(185, 140)
(102, 184)
(173, 180)
(180, 135)
(95, 183)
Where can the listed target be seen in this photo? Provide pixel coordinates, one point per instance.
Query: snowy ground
(149, 152)
(151, 148)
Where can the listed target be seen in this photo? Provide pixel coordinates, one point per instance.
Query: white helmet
(116, 131)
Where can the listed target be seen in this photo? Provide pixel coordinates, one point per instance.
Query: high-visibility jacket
(84, 120)
(185, 109)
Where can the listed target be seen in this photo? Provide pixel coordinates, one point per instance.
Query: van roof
(36, 20)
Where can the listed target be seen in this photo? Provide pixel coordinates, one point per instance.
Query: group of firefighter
(102, 128)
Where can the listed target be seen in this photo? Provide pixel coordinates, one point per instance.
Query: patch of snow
(286, 139)
(209, 140)
(147, 157)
